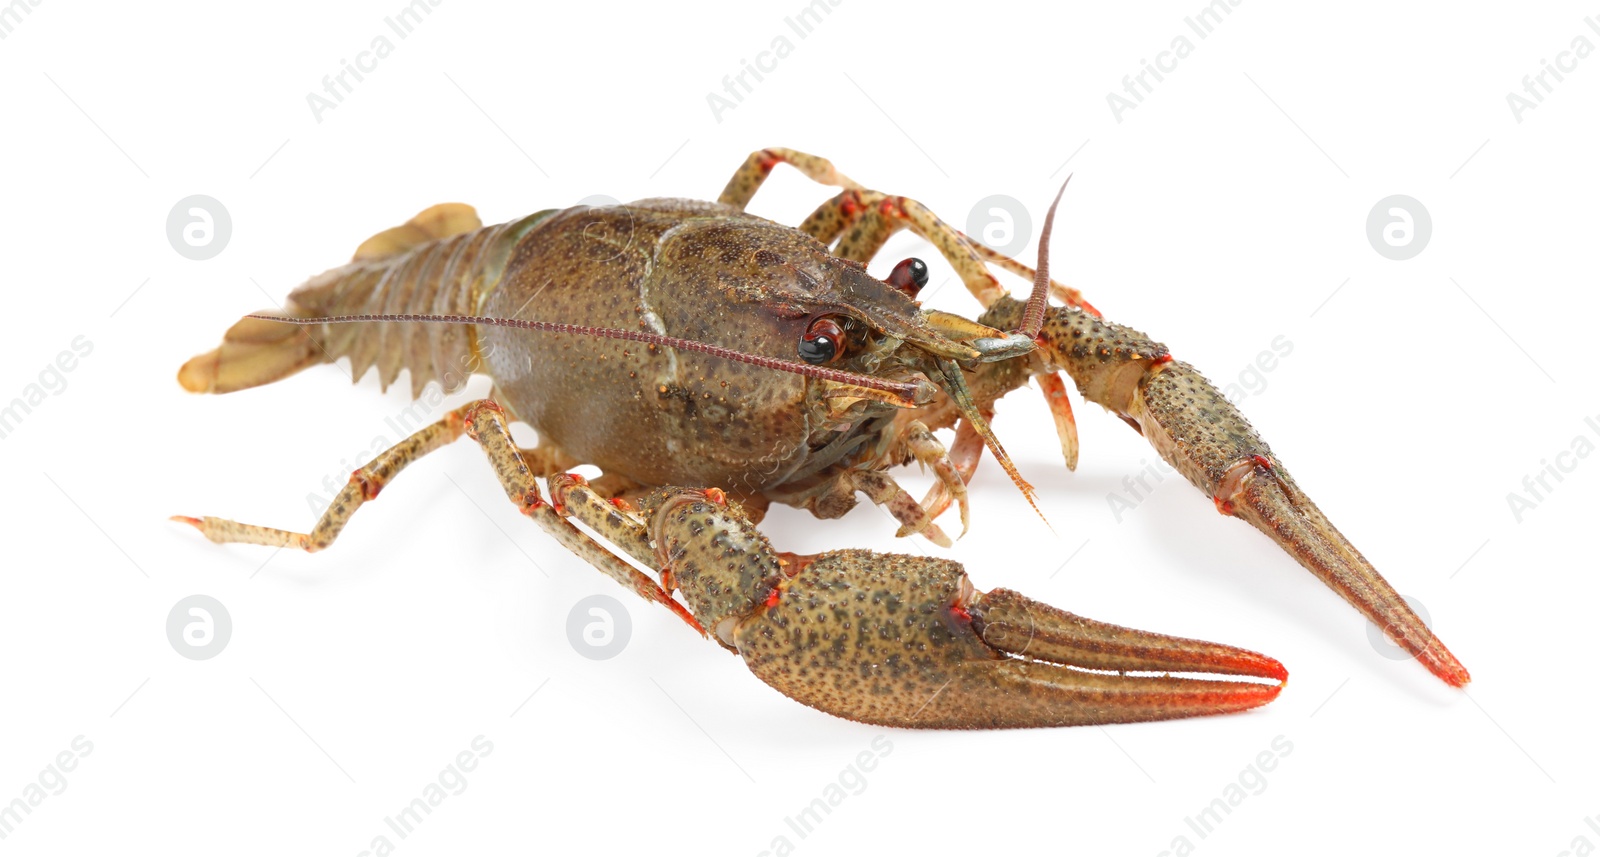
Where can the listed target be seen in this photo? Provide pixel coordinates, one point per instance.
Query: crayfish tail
(441, 262)
(253, 352)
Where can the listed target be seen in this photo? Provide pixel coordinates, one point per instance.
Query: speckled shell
(870, 637)
(688, 269)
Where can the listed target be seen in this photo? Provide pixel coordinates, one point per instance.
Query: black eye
(909, 277)
(822, 341)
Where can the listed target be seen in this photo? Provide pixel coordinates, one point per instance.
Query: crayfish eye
(909, 277)
(823, 341)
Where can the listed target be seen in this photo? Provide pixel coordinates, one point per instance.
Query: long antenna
(906, 392)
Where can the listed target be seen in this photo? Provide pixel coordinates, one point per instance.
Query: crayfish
(710, 362)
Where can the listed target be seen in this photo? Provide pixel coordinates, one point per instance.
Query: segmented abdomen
(449, 276)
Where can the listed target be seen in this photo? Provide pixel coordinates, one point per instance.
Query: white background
(1227, 209)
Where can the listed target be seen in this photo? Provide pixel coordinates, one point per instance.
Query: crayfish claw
(906, 641)
(1195, 428)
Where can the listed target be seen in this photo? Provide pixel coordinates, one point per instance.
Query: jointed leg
(487, 425)
(545, 459)
(899, 212)
(747, 180)
(1066, 294)
(877, 216)
(636, 530)
(616, 520)
(857, 223)
(908, 641)
(829, 220)
(896, 640)
(881, 489)
(483, 421)
(920, 444)
(364, 485)
(1055, 394)
(961, 461)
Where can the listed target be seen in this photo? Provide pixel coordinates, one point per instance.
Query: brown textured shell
(868, 635)
(1183, 415)
(723, 566)
(1194, 425)
(889, 639)
(903, 641)
(699, 271)
(444, 276)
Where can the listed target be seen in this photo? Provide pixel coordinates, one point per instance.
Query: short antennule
(907, 393)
